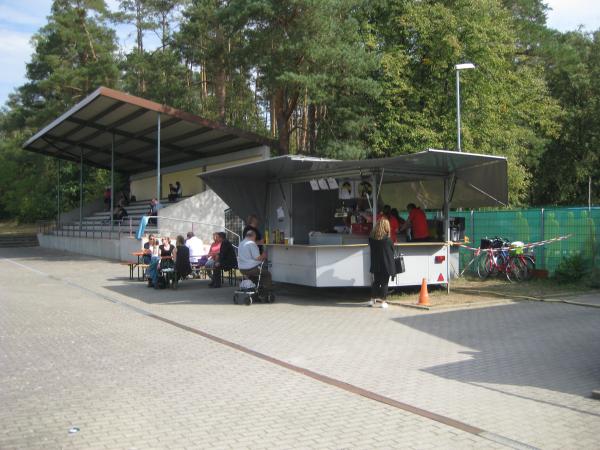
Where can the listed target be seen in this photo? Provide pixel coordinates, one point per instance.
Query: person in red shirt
(417, 222)
(394, 224)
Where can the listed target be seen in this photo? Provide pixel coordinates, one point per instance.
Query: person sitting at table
(166, 248)
(195, 246)
(153, 267)
(249, 260)
(213, 251)
(182, 258)
(147, 249)
(224, 260)
(417, 222)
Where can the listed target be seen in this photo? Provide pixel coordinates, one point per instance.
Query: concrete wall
(206, 210)
(88, 209)
(116, 249)
(143, 185)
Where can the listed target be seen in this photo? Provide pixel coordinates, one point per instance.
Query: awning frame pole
(80, 188)
(158, 158)
(112, 181)
(446, 211)
(375, 196)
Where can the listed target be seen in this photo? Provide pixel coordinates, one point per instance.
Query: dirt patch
(467, 292)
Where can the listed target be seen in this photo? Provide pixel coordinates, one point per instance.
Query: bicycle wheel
(485, 265)
(515, 269)
(529, 264)
(500, 263)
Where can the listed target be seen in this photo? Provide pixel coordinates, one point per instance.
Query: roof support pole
(112, 181)
(58, 195)
(158, 157)
(80, 187)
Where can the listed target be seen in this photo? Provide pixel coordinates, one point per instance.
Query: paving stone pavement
(524, 371)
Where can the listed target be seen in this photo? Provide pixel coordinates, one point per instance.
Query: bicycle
(500, 256)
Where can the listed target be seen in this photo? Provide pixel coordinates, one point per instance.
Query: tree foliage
(336, 78)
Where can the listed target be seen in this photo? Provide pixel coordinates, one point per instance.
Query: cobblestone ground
(71, 356)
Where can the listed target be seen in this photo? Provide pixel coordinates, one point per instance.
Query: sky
(20, 19)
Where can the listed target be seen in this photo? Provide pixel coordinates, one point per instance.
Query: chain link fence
(533, 225)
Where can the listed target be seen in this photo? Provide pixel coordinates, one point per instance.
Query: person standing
(417, 222)
(394, 224)
(252, 224)
(382, 261)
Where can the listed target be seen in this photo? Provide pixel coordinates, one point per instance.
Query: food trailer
(315, 212)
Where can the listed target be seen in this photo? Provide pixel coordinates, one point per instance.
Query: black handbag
(399, 263)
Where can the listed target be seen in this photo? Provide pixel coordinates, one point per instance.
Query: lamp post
(458, 68)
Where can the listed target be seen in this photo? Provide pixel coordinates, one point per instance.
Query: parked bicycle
(498, 255)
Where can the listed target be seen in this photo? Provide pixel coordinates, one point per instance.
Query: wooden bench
(132, 265)
(143, 267)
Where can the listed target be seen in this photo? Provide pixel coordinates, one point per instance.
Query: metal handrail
(87, 228)
(222, 227)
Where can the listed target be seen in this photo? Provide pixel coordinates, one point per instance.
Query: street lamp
(458, 68)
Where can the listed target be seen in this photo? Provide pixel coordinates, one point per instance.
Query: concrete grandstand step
(18, 240)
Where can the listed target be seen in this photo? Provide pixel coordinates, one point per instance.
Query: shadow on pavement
(195, 291)
(548, 346)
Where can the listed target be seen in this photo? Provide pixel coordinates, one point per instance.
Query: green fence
(533, 225)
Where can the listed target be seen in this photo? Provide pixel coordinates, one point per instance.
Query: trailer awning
(479, 180)
(88, 128)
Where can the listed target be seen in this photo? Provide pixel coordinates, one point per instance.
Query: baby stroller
(251, 291)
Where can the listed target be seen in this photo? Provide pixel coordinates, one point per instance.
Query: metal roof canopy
(89, 127)
(479, 180)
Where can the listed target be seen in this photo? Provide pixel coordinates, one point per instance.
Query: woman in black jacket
(226, 260)
(382, 261)
(182, 259)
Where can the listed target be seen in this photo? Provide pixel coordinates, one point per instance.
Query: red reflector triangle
(441, 277)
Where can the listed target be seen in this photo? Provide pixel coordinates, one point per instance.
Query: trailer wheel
(248, 300)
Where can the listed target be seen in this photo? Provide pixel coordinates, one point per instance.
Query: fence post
(542, 247)
(472, 226)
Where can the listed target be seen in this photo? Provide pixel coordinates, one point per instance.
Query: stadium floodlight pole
(458, 68)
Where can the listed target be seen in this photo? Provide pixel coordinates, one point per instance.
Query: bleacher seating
(99, 222)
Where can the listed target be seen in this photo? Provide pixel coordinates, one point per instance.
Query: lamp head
(464, 66)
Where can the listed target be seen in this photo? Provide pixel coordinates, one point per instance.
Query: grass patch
(539, 288)
(13, 227)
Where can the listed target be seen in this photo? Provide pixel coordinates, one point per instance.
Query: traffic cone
(424, 295)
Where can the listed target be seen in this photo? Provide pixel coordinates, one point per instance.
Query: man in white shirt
(196, 247)
(249, 260)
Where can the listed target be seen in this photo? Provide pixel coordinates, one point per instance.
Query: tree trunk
(312, 129)
(304, 129)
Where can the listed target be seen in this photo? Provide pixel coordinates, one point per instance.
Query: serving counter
(348, 265)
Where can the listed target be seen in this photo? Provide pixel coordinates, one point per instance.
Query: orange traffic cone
(424, 295)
